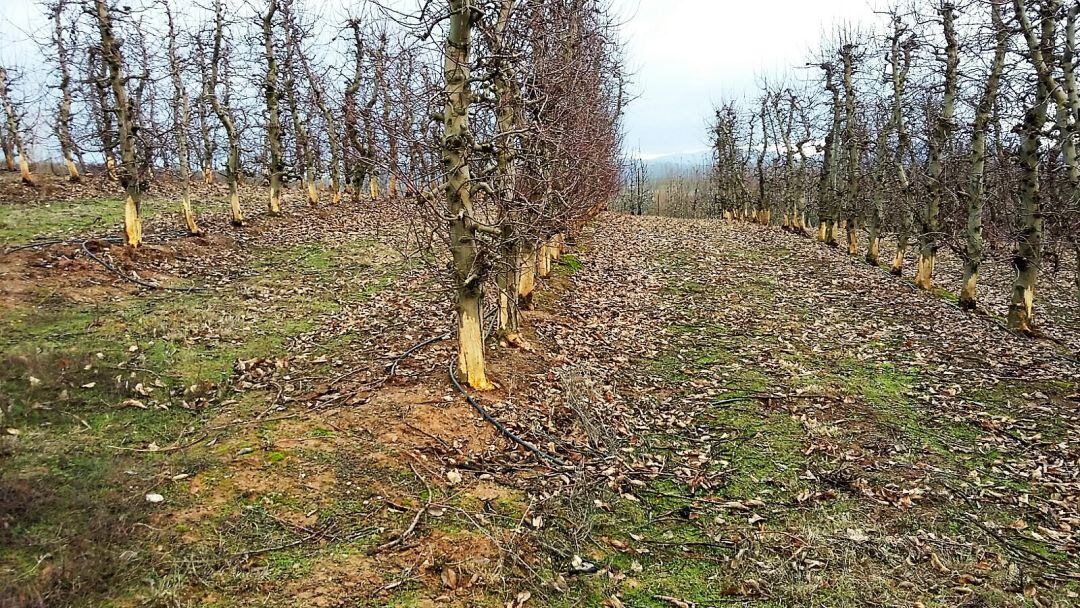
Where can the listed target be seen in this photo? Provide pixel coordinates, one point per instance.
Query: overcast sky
(689, 54)
(686, 55)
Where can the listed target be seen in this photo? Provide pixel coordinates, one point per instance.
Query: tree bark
(129, 171)
(468, 265)
(976, 190)
(939, 137)
(273, 109)
(224, 114)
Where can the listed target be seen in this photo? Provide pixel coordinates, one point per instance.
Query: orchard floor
(745, 417)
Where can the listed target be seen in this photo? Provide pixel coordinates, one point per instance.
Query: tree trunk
(851, 153)
(900, 61)
(181, 120)
(63, 111)
(1029, 240)
(1027, 256)
(332, 135)
(9, 149)
(509, 279)
(468, 265)
(938, 140)
(224, 114)
(273, 109)
(903, 237)
(881, 152)
(976, 191)
(527, 274)
(356, 168)
(828, 189)
(14, 127)
(129, 171)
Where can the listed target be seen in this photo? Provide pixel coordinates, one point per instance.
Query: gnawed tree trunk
(13, 127)
(273, 109)
(543, 260)
(224, 113)
(851, 152)
(527, 270)
(1028, 253)
(900, 60)
(469, 268)
(881, 151)
(63, 110)
(976, 190)
(939, 137)
(305, 154)
(129, 170)
(828, 189)
(510, 247)
(356, 167)
(1029, 240)
(181, 119)
(378, 88)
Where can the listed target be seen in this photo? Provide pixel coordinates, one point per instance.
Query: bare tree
(220, 103)
(129, 169)
(14, 128)
(63, 111)
(273, 108)
(181, 109)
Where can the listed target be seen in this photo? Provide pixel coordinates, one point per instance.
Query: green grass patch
(21, 223)
(570, 263)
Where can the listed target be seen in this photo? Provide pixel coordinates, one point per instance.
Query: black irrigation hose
(50, 242)
(541, 454)
(392, 368)
(139, 282)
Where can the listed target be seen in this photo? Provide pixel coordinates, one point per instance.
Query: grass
(21, 223)
(769, 458)
(570, 263)
(69, 495)
(67, 367)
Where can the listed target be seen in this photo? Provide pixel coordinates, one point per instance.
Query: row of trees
(952, 124)
(497, 121)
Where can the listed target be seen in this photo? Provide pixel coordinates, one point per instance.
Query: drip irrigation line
(140, 282)
(392, 368)
(50, 242)
(541, 454)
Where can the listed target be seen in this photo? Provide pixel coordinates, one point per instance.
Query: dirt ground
(736, 416)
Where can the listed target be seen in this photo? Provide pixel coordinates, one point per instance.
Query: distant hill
(660, 166)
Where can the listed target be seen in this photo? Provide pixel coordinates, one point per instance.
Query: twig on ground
(400, 538)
